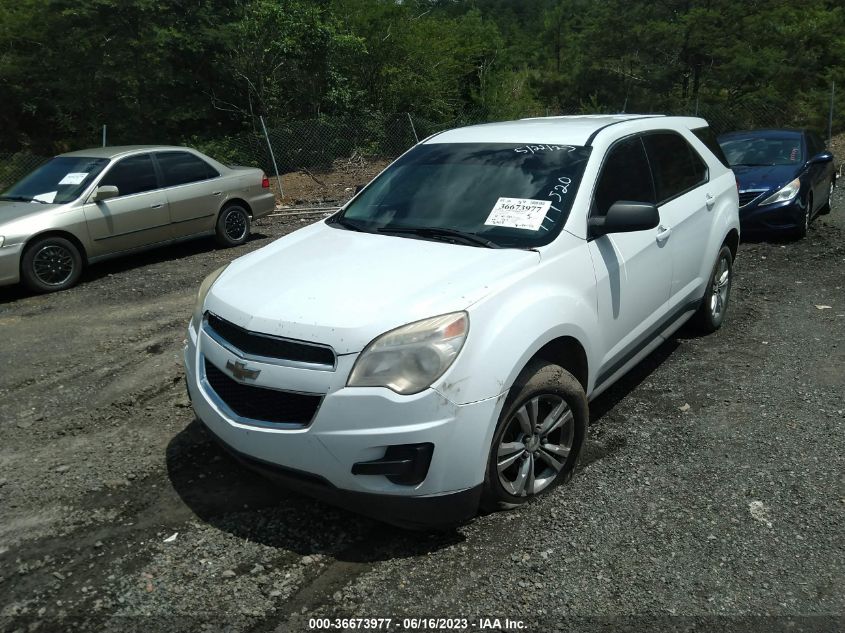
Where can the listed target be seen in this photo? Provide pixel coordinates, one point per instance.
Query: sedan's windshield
(502, 195)
(59, 180)
(756, 151)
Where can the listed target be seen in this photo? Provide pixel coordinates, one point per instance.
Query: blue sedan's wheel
(827, 207)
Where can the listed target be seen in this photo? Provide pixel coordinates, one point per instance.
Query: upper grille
(258, 344)
(260, 403)
(748, 196)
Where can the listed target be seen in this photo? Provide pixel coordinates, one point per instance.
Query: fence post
(104, 135)
(272, 157)
(830, 114)
(413, 129)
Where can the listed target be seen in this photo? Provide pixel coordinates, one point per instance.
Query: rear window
(708, 137)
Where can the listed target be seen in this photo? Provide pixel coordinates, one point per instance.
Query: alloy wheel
(53, 265)
(235, 225)
(720, 288)
(535, 445)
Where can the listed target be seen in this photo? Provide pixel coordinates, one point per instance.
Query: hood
(765, 176)
(344, 288)
(10, 211)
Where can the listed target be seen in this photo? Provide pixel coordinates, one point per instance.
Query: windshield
(59, 180)
(756, 151)
(508, 195)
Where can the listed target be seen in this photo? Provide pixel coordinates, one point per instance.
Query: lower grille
(262, 404)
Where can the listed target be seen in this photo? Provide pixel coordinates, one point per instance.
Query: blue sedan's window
(757, 151)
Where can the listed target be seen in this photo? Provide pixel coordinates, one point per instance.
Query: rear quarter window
(708, 137)
(677, 167)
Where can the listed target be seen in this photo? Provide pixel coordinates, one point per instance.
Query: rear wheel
(714, 305)
(50, 264)
(538, 438)
(233, 226)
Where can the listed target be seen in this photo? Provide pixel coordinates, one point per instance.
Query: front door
(633, 270)
(138, 216)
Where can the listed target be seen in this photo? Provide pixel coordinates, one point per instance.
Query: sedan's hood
(10, 211)
(344, 288)
(765, 177)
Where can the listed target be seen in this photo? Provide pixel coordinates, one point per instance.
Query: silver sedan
(90, 205)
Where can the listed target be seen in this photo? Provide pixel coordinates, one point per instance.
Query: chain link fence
(322, 144)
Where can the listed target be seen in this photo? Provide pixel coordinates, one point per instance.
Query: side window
(180, 168)
(706, 136)
(814, 145)
(677, 167)
(624, 176)
(134, 174)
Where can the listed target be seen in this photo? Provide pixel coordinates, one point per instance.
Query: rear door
(633, 270)
(138, 216)
(685, 202)
(194, 191)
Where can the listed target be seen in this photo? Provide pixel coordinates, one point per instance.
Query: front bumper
(10, 264)
(773, 218)
(352, 426)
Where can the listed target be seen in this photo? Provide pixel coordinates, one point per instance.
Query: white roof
(570, 130)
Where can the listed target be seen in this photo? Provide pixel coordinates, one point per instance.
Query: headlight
(787, 192)
(205, 286)
(410, 358)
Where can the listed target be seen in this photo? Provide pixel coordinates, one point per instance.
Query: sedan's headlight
(410, 358)
(787, 192)
(205, 286)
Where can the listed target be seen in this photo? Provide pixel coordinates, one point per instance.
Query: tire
(827, 206)
(801, 231)
(714, 305)
(232, 226)
(50, 264)
(534, 466)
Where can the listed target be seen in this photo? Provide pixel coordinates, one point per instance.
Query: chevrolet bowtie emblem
(240, 371)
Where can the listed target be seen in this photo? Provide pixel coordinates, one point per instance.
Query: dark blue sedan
(785, 178)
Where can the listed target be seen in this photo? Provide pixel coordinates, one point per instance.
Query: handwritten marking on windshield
(533, 149)
(559, 190)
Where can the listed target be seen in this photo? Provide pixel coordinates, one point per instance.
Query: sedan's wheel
(51, 264)
(827, 207)
(714, 305)
(233, 226)
(539, 436)
(804, 227)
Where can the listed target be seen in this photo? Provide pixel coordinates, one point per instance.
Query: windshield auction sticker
(519, 213)
(73, 178)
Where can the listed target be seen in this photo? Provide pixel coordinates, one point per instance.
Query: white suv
(433, 346)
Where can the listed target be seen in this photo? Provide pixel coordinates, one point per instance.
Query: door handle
(709, 200)
(663, 233)
(217, 193)
(157, 205)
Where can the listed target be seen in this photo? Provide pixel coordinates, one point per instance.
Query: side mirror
(624, 217)
(105, 192)
(823, 157)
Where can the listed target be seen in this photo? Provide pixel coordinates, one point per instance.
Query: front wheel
(538, 438)
(232, 226)
(714, 305)
(50, 264)
(826, 208)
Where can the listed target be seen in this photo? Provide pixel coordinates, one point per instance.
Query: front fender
(510, 327)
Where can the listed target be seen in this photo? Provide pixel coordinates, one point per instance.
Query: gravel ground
(711, 495)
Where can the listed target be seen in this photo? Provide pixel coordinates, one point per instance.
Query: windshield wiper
(436, 232)
(21, 199)
(346, 224)
(753, 165)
